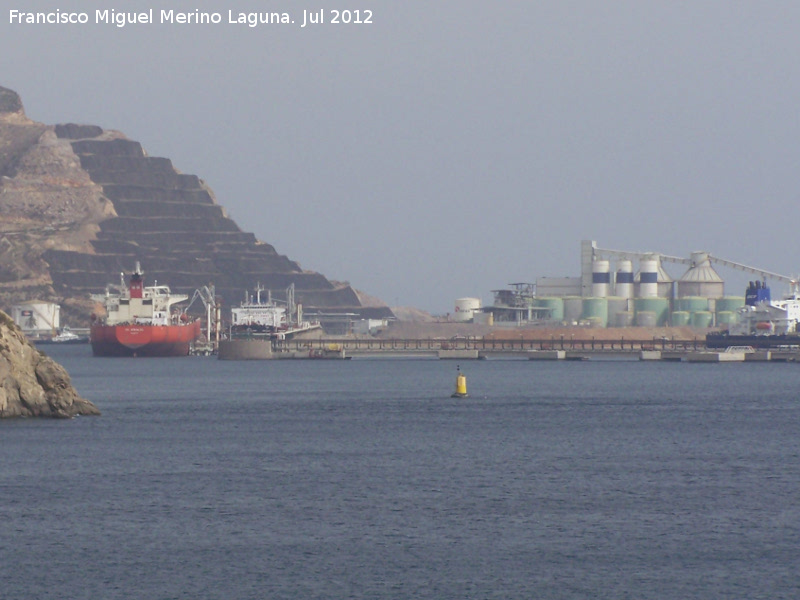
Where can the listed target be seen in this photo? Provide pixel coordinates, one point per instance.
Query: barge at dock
(258, 325)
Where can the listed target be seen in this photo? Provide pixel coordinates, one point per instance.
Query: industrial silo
(595, 310)
(37, 318)
(624, 279)
(646, 318)
(702, 318)
(691, 304)
(624, 319)
(681, 318)
(648, 278)
(601, 278)
(573, 308)
(726, 318)
(658, 306)
(727, 310)
(617, 305)
(652, 281)
(465, 309)
(729, 303)
(701, 279)
(555, 306)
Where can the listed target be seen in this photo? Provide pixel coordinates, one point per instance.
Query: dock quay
(693, 350)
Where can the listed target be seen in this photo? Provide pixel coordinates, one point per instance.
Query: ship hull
(143, 340)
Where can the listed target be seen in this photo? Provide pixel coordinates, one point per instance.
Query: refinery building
(618, 288)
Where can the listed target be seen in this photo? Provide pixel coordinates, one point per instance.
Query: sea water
(364, 479)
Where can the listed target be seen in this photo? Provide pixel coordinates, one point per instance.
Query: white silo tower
(601, 278)
(465, 309)
(624, 279)
(648, 277)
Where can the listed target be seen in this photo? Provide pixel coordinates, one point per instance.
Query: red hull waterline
(143, 340)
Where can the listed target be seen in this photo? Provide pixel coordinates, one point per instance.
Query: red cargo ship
(140, 321)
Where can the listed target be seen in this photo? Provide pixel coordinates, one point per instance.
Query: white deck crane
(208, 297)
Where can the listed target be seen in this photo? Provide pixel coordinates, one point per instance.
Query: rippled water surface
(364, 479)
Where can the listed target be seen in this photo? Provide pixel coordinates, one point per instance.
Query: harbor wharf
(479, 347)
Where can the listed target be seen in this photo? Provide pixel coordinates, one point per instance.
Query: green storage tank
(727, 317)
(729, 304)
(616, 305)
(596, 311)
(701, 318)
(691, 304)
(596, 322)
(624, 318)
(556, 306)
(646, 318)
(659, 306)
(681, 318)
(573, 308)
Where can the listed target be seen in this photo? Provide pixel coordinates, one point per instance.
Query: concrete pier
(715, 357)
(458, 354)
(244, 350)
(758, 356)
(547, 355)
(476, 349)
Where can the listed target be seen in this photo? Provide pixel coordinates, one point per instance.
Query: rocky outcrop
(10, 102)
(46, 202)
(31, 383)
(80, 204)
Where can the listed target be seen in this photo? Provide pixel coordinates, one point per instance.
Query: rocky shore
(31, 383)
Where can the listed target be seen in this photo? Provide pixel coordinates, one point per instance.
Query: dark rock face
(71, 131)
(31, 383)
(10, 102)
(170, 223)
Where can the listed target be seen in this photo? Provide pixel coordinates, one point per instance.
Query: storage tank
(729, 303)
(691, 304)
(658, 306)
(701, 279)
(573, 308)
(601, 278)
(595, 310)
(624, 319)
(484, 318)
(681, 318)
(702, 319)
(648, 278)
(645, 318)
(726, 318)
(37, 317)
(624, 279)
(555, 305)
(465, 309)
(616, 305)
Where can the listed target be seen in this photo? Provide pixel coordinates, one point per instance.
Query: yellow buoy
(461, 385)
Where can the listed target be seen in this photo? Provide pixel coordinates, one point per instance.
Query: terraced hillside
(79, 205)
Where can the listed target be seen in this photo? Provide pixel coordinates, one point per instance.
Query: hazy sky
(452, 147)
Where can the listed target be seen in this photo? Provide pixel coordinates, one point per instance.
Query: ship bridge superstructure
(133, 302)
